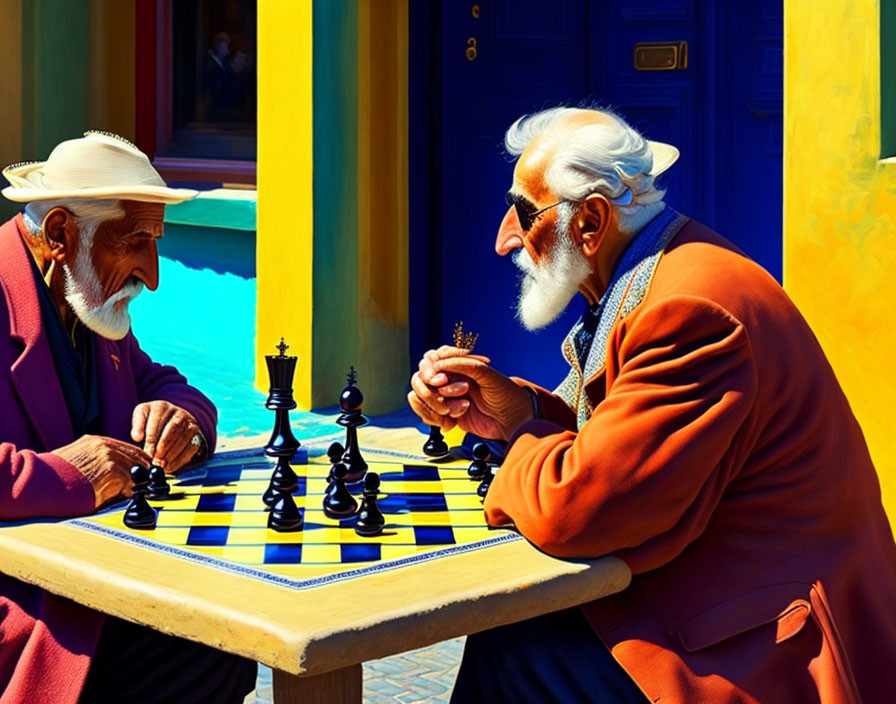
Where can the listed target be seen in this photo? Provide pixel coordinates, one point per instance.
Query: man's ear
(61, 234)
(592, 222)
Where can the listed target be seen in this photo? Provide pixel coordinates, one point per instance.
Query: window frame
(154, 99)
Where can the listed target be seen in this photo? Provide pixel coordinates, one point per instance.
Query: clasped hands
(167, 433)
(453, 387)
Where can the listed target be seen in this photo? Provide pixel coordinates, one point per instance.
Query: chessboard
(215, 515)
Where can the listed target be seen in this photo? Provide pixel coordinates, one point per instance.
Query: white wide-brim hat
(97, 165)
(664, 155)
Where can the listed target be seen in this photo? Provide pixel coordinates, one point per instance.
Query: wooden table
(315, 639)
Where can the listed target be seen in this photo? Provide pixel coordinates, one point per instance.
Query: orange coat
(722, 462)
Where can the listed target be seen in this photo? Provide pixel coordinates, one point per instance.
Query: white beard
(84, 294)
(548, 288)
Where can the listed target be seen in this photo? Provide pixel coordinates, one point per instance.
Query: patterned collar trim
(627, 289)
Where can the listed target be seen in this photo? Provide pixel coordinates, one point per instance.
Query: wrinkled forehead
(135, 210)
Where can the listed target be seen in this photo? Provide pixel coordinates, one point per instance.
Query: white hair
(607, 157)
(89, 214)
(83, 289)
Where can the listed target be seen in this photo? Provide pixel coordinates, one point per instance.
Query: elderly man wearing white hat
(700, 436)
(80, 404)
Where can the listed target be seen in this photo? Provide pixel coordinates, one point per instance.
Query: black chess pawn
(139, 514)
(370, 519)
(285, 515)
(479, 467)
(283, 481)
(334, 453)
(486, 482)
(351, 402)
(338, 501)
(435, 446)
(159, 488)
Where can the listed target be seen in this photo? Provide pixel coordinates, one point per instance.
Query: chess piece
(370, 519)
(281, 370)
(283, 481)
(334, 453)
(338, 502)
(159, 488)
(139, 514)
(479, 467)
(351, 419)
(486, 482)
(285, 515)
(435, 446)
(282, 444)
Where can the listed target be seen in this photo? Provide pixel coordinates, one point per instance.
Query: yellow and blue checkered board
(216, 516)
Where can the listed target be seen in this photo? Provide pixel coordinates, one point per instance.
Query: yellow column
(285, 198)
(840, 208)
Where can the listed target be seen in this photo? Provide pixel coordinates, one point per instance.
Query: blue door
(476, 67)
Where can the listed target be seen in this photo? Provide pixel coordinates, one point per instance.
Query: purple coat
(46, 642)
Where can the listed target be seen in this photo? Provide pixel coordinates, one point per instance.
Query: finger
(433, 400)
(181, 459)
(126, 452)
(449, 352)
(138, 421)
(427, 415)
(426, 371)
(178, 431)
(472, 368)
(455, 389)
(158, 417)
(457, 407)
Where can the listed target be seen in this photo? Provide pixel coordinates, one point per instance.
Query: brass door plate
(661, 56)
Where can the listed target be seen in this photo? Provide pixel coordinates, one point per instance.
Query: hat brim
(664, 155)
(145, 194)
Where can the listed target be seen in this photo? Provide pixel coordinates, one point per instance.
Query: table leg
(336, 687)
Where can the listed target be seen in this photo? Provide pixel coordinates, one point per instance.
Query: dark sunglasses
(525, 211)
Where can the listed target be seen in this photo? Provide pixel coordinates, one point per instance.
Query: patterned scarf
(627, 289)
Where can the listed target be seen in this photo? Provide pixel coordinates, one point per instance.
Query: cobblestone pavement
(424, 675)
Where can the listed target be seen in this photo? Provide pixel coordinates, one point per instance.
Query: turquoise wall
(202, 320)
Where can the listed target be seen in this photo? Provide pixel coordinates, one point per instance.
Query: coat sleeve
(643, 476)
(39, 485)
(158, 382)
(550, 406)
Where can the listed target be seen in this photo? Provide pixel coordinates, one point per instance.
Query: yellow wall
(285, 199)
(840, 208)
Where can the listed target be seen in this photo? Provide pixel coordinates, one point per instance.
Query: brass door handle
(471, 53)
(661, 56)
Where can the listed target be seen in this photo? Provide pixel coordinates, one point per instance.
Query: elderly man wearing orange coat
(701, 436)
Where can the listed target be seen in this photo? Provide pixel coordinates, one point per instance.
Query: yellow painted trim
(285, 235)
